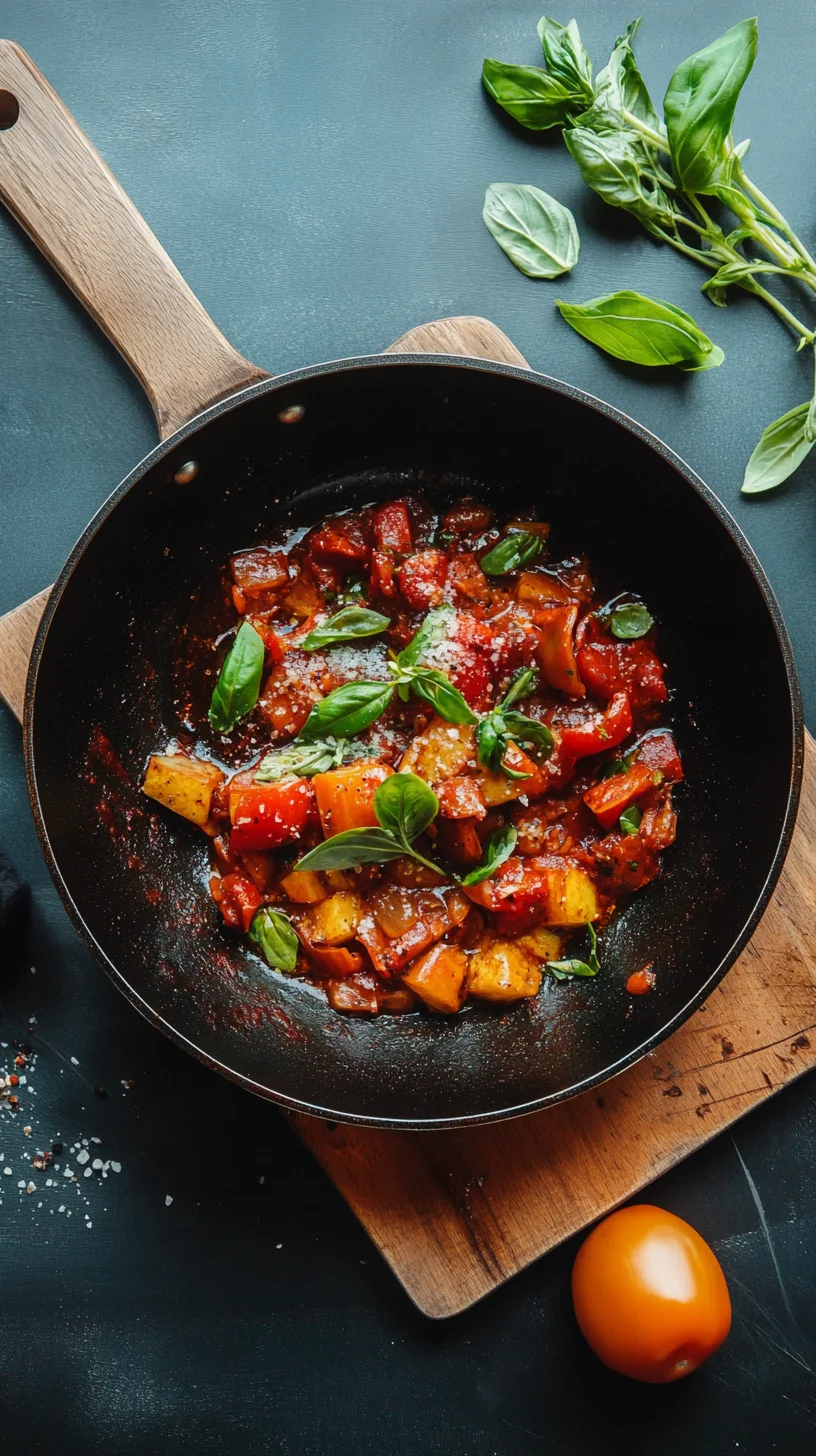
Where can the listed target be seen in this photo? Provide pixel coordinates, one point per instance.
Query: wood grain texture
(456, 1213)
(58, 187)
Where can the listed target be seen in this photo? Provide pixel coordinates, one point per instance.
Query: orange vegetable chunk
(345, 796)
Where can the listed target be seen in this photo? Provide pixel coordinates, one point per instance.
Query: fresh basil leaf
(347, 711)
(618, 165)
(528, 94)
(629, 621)
(434, 630)
(239, 680)
(566, 57)
(700, 103)
(274, 934)
(517, 549)
(437, 689)
(491, 742)
(352, 847)
(347, 625)
(782, 448)
(640, 330)
(300, 760)
(528, 730)
(536, 231)
(630, 819)
(594, 964)
(620, 85)
(562, 969)
(617, 766)
(405, 805)
(522, 685)
(499, 847)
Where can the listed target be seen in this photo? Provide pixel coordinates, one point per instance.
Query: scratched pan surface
(135, 881)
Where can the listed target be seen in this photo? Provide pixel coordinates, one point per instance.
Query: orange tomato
(649, 1294)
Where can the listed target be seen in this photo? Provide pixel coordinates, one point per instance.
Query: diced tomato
(614, 667)
(383, 574)
(598, 731)
(659, 752)
(506, 882)
(260, 570)
(356, 995)
(461, 798)
(459, 841)
(555, 651)
(473, 668)
(466, 575)
(623, 862)
(467, 518)
(610, 797)
(266, 815)
(342, 540)
(392, 528)
(237, 899)
(422, 579)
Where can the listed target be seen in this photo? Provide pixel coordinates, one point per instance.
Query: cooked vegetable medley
(464, 763)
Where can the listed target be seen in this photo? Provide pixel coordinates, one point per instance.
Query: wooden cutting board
(456, 1213)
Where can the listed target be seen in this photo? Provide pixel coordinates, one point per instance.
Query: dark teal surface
(317, 172)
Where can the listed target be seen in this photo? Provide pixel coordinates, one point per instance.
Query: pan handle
(58, 187)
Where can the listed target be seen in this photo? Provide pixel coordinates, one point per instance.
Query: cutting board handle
(58, 187)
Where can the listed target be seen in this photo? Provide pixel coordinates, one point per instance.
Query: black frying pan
(300, 446)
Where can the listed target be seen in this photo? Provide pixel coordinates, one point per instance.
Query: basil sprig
(642, 330)
(663, 173)
(495, 732)
(499, 847)
(239, 681)
(355, 706)
(574, 967)
(275, 936)
(630, 620)
(347, 625)
(405, 806)
(537, 232)
(301, 760)
(517, 549)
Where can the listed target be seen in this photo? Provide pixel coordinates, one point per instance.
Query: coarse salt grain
(82, 1157)
(168, 1199)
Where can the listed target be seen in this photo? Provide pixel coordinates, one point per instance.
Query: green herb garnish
(301, 760)
(630, 819)
(347, 625)
(239, 681)
(642, 330)
(590, 967)
(495, 732)
(274, 934)
(517, 549)
(499, 847)
(536, 232)
(405, 806)
(629, 621)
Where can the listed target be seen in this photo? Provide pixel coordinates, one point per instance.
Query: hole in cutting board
(9, 110)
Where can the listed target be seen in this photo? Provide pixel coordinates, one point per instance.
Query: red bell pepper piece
(608, 668)
(266, 815)
(422, 579)
(392, 528)
(473, 667)
(237, 899)
(602, 730)
(610, 797)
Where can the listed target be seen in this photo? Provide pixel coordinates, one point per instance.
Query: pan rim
(554, 386)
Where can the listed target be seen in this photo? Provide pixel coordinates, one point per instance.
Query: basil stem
(239, 681)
